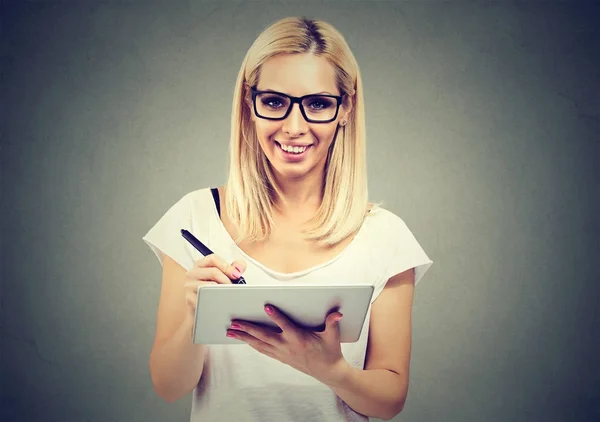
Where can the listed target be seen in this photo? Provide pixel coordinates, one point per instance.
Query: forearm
(176, 366)
(376, 393)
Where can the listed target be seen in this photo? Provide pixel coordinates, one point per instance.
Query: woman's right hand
(208, 270)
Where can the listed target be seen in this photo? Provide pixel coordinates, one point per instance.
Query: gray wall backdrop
(483, 131)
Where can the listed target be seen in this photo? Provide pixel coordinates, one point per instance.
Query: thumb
(332, 320)
(239, 265)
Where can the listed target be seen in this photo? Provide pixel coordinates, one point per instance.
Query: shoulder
(384, 225)
(192, 208)
(190, 211)
(197, 194)
(388, 235)
(398, 248)
(199, 200)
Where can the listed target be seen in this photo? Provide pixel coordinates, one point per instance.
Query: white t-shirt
(240, 384)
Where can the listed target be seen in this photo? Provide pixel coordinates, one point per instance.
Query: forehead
(298, 74)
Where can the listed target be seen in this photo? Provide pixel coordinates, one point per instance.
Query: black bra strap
(215, 194)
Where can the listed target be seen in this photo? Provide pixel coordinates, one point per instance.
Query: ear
(347, 107)
(247, 101)
(251, 110)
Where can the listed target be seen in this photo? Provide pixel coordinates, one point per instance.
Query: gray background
(483, 135)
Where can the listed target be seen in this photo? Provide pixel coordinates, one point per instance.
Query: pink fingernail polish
(230, 335)
(237, 273)
(269, 310)
(235, 326)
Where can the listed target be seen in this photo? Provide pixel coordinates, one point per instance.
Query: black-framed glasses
(315, 108)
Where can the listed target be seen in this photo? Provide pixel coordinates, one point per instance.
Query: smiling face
(307, 143)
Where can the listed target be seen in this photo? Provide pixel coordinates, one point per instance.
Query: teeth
(295, 150)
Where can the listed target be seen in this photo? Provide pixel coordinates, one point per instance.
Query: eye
(319, 103)
(273, 101)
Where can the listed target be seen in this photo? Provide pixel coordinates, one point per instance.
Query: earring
(343, 123)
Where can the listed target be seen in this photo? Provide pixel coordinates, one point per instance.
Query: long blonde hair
(251, 189)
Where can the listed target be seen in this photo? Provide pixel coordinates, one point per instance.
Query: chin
(290, 173)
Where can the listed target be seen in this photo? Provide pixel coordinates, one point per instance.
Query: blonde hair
(251, 189)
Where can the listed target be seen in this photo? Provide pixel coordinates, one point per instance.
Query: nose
(294, 124)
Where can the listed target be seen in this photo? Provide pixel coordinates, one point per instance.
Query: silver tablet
(307, 306)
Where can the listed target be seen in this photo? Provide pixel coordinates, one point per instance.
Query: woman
(294, 209)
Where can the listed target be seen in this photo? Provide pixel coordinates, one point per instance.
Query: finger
(191, 292)
(280, 319)
(266, 335)
(190, 298)
(253, 342)
(193, 285)
(240, 264)
(208, 274)
(332, 321)
(229, 270)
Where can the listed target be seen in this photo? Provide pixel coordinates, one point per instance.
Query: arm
(175, 361)
(380, 389)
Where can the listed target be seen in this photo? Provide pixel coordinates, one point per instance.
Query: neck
(299, 196)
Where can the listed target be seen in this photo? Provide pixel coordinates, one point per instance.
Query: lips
(291, 156)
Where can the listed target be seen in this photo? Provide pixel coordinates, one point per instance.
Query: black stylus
(201, 247)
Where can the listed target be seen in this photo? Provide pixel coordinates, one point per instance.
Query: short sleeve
(164, 238)
(401, 252)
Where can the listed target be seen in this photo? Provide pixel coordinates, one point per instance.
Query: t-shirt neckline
(273, 273)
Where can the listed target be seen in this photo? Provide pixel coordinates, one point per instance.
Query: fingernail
(236, 273)
(337, 318)
(269, 310)
(236, 326)
(230, 335)
(239, 268)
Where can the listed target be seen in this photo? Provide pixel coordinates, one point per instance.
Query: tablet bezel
(307, 305)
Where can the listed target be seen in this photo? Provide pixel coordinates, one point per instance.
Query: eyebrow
(316, 93)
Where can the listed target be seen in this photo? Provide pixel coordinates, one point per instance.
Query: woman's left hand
(318, 354)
